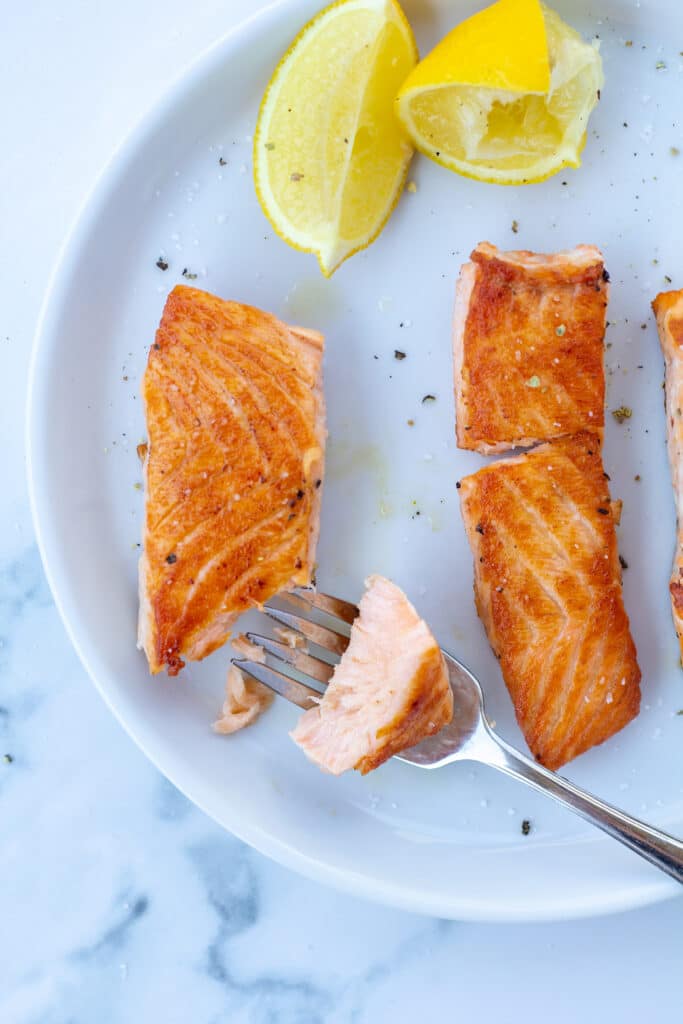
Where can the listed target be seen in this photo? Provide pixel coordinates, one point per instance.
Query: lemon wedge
(330, 159)
(505, 97)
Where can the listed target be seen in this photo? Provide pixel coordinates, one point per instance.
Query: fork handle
(660, 849)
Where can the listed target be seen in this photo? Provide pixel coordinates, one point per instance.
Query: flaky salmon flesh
(233, 470)
(245, 699)
(390, 690)
(548, 590)
(668, 308)
(528, 333)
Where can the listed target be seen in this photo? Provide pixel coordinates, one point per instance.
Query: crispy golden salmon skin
(528, 333)
(548, 589)
(390, 690)
(233, 470)
(668, 308)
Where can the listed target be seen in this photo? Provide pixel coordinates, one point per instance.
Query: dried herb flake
(622, 413)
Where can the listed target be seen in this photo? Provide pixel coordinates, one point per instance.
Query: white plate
(448, 843)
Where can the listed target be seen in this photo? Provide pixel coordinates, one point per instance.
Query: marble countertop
(120, 901)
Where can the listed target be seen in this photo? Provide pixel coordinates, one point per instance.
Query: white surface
(400, 836)
(90, 831)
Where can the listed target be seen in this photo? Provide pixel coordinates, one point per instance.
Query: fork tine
(328, 639)
(294, 656)
(343, 610)
(292, 690)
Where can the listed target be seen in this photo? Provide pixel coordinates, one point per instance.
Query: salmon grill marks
(548, 589)
(668, 308)
(390, 690)
(528, 334)
(235, 417)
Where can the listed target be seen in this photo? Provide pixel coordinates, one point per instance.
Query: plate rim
(392, 893)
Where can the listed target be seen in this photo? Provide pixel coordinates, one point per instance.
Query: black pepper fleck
(162, 264)
(172, 558)
(526, 827)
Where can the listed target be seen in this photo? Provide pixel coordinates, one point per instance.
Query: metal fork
(469, 736)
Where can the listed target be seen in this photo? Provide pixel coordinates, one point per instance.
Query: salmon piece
(233, 471)
(245, 699)
(668, 308)
(548, 590)
(390, 690)
(528, 334)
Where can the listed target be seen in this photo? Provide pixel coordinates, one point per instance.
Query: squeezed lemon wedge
(505, 97)
(330, 158)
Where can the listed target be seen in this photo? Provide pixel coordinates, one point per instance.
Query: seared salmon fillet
(233, 471)
(390, 690)
(528, 333)
(548, 590)
(668, 308)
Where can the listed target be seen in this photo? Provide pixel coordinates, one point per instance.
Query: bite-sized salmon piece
(233, 471)
(528, 332)
(548, 589)
(390, 690)
(668, 308)
(245, 699)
